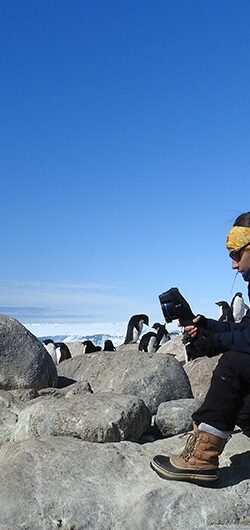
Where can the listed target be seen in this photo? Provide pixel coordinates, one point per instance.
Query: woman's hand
(193, 329)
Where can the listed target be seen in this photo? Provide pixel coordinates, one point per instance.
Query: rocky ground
(76, 441)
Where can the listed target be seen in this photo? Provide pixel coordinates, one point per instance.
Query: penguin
(226, 312)
(62, 351)
(89, 347)
(148, 342)
(108, 345)
(52, 350)
(134, 328)
(48, 341)
(162, 334)
(238, 307)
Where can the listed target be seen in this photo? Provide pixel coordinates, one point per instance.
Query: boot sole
(182, 475)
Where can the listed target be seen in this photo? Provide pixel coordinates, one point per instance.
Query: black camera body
(175, 307)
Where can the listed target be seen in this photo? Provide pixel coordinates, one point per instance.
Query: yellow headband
(238, 236)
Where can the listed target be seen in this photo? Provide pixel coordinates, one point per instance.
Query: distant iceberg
(69, 332)
(97, 332)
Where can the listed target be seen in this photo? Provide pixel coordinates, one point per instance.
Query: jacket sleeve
(231, 335)
(220, 326)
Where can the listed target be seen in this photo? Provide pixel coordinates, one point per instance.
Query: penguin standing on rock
(89, 347)
(238, 307)
(148, 342)
(226, 311)
(62, 351)
(162, 334)
(151, 341)
(108, 345)
(134, 328)
(52, 350)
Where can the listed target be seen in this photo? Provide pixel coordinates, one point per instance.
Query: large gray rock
(152, 377)
(199, 372)
(174, 417)
(24, 361)
(175, 347)
(93, 417)
(64, 482)
(75, 348)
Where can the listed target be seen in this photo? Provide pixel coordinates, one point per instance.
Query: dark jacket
(231, 335)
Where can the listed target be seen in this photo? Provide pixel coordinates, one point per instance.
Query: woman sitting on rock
(227, 402)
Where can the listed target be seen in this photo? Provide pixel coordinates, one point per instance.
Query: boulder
(175, 347)
(67, 483)
(75, 348)
(199, 372)
(92, 417)
(24, 361)
(153, 377)
(174, 417)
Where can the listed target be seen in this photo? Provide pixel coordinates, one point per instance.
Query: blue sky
(124, 154)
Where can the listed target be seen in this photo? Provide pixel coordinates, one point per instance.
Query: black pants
(227, 402)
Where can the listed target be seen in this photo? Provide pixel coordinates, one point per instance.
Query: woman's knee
(230, 359)
(232, 370)
(238, 361)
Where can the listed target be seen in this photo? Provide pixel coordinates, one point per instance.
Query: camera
(174, 306)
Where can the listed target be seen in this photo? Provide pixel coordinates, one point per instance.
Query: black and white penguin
(226, 314)
(51, 349)
(134, 328)
(62, 351)
(162, 335)
(89, 347)
(148, 342)
(108, 345)
(48, 341)
(238, 307)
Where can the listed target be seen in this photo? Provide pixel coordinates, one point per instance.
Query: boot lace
(190, 446)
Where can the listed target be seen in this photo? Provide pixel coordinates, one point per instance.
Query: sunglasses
(237, 254)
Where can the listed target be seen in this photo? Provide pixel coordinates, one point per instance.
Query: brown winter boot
(198, 461)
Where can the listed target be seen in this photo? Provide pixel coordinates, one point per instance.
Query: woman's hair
(243, 220)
